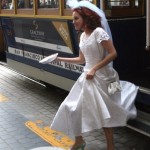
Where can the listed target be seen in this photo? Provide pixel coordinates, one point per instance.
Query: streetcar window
(48, 3)
(12, 4)
(66, 6)
(5, 4)
(124, 8)
(24, 4)
(123, 3)
(67, 10)
(117, 3)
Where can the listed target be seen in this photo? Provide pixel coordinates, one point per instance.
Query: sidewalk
(23, 101)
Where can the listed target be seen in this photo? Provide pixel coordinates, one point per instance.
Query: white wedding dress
(89, 106)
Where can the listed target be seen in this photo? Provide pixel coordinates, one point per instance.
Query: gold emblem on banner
(62, 29)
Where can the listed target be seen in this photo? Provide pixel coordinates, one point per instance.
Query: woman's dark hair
(91, 19)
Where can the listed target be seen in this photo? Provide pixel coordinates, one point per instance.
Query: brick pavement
(22, 100)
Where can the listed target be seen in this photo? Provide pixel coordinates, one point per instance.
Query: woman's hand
(90, 74)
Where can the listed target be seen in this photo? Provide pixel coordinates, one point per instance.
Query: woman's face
(78, 21)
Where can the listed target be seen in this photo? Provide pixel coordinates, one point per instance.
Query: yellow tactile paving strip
(3, 98)
(55, 138)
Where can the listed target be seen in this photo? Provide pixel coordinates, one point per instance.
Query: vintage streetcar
(33, 29)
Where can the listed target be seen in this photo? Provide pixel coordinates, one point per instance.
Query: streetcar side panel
(30, 40)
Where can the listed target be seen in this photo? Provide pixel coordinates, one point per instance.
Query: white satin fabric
(89, 106)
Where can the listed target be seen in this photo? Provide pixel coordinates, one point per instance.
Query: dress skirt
(89, 106)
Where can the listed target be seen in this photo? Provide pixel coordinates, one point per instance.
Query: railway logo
(35, 33)
(35, 25)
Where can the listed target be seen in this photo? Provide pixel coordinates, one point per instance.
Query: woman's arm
(77, 60)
